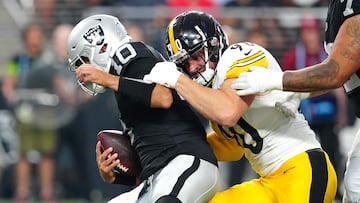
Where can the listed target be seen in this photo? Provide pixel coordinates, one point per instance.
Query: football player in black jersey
(341, 68)
(178, 164)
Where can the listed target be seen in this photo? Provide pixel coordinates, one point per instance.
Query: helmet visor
(91, 88)
(77, 61)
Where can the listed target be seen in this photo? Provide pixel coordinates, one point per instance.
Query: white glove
(289, 107)
(164, 73)
(259, 80)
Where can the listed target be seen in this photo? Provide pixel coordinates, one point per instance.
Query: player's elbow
(335, 76)
(335, 82)
(229, 123)
(338, 82)
(161, 97)
(227, 119)
(166, 101)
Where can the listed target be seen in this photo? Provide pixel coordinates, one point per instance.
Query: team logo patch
(95, 35)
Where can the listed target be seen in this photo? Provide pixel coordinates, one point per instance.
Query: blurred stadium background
(279, 24)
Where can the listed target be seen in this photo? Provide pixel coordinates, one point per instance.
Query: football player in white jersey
(342, 68)
(282, 150)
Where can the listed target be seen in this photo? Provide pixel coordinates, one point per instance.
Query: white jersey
(268, 137)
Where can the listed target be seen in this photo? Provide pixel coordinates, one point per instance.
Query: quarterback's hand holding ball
(258, 80)
(106, 163)
(164, 73)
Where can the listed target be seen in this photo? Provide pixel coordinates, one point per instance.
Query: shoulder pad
(243, 56)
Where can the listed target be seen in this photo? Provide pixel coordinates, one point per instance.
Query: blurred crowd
(49, 126)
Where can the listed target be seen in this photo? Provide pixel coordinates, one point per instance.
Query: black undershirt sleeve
(137, 89)
(124, 180)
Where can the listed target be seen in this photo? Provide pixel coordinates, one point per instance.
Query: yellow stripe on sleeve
(244, 65)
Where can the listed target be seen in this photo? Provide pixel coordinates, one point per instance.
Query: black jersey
(159, 134)
(338, 12)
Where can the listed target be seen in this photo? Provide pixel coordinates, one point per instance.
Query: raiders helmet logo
(95, 35)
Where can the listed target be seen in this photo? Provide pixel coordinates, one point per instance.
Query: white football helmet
(94, 40)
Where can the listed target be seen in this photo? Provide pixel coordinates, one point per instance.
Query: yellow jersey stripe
(244, 65)
(249, 58)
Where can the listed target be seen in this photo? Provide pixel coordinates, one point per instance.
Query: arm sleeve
(136, 70)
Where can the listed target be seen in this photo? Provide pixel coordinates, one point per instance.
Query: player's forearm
(314, 94)
(196, 95)
(214, 104)
(342, 62)
(111, 81)
(316, 78)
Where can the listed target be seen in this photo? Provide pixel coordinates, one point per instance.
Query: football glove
(289, 107)
(164, 73)
(259, 80)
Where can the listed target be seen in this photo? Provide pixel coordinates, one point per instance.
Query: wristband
(132, 88)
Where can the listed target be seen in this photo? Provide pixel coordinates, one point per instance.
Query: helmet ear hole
(214, 42)
(214, 45)
(81, 60)
(214, 58)
(103, 49)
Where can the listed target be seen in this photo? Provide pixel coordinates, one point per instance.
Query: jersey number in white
(348, 8)
(123, 55)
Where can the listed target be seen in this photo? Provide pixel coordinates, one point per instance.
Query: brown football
(129, 159)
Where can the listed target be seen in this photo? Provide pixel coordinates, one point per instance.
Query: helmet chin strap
(206, 77)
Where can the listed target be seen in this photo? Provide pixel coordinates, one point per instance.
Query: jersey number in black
(240, 137)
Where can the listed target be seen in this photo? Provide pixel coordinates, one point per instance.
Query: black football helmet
(193, 31)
